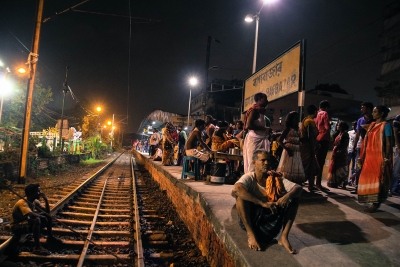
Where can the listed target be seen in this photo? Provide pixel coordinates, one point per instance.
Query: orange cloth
(375, 176)
(274, 188)
(220, 145)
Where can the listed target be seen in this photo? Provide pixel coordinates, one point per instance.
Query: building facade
(389, 91)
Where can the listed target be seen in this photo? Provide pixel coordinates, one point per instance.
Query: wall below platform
(206, 230)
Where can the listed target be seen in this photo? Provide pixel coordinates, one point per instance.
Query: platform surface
(331, 229)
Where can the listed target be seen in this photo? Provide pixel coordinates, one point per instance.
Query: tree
(77, 114)
(90, 126)
(14, 108)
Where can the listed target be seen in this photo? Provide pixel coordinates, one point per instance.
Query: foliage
(77, 114)
(94, 145)
(50, 130)
(9, 159)
(90, 161)
(14, 108)
(90, 127)
(43, 150)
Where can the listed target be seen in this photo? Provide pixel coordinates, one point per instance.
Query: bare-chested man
(194, 140)
(257, 131)
(266, 203)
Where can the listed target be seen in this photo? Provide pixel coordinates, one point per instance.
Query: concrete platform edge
(227, 244)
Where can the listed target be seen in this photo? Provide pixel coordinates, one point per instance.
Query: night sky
(342, 47)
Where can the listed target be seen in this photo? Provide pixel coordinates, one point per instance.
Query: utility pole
(205, 92)
(112, 130)
(32, 62)
(65, 91)
(204, 100)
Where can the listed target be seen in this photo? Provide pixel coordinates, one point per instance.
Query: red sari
(375, 175)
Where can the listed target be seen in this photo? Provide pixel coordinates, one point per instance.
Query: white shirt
(154, 139)
(249, 182)
(352, 136)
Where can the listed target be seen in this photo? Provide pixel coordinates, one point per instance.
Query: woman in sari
(290, 164)
(339, 167)
(376, 161)
(169, 136)
(220, 140)
(309, 147)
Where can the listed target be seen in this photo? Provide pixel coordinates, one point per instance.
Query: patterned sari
(339, 167)
(292, 167)
(169, 136)
(375, 175)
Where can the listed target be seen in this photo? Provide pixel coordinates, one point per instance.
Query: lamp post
(192, 82)
(250, 18)
(98, 109)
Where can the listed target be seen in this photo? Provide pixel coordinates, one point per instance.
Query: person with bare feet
(376, 161)
(29, 216)
(195, 140)
(266, 203)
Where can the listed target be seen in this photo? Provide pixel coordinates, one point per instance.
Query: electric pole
(32, 63)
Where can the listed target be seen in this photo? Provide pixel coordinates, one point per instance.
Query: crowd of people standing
(277, 164)
(365, 157)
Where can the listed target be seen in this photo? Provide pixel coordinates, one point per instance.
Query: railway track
(97, 220)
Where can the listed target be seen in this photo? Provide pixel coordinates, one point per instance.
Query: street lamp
(5, 88)
(6, 85)
(192, 82)
(98, 109)
(22, 70)
(250, 18)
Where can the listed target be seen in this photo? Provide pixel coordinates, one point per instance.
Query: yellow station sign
(277, 79)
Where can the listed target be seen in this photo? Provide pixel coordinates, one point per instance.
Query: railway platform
(330, 229)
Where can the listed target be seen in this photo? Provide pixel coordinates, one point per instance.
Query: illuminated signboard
(279, 78)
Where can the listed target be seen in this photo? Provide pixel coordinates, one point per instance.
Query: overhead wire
(28, 51)
(64, 11)
(146, 20)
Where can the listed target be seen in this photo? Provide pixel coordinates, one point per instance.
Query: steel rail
(89, 236)
(60, 204)
(138, 237)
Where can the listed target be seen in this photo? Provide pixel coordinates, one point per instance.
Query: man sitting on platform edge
(195, 139)
(266, 203)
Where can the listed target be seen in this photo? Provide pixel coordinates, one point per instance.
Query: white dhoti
(253, 142)
(198, 155)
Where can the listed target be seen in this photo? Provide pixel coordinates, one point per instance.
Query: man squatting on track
(29, 216)
(266, 203)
